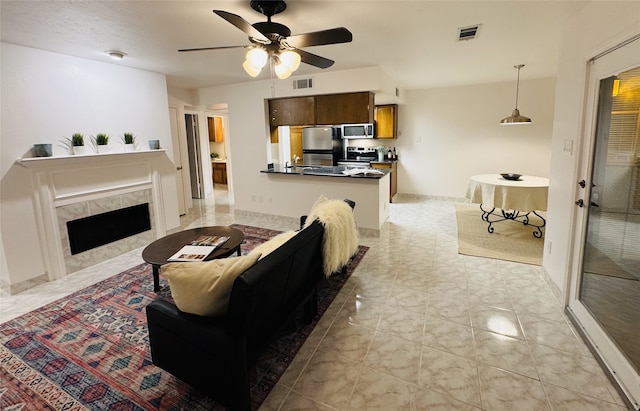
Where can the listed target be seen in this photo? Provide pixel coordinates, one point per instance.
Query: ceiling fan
(271, 39)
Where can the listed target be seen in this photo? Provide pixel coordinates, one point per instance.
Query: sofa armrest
(199, 351)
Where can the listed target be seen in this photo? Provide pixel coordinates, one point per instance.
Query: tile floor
(416, 327)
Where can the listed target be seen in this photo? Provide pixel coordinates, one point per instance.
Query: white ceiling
(413, 41)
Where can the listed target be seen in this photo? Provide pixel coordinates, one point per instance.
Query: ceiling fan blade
(242, 24)
(213, 48)
(319, 38)
(314, 59)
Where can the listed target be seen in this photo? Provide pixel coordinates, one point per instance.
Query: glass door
(605, 293)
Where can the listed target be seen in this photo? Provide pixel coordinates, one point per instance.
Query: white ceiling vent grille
(468, 33)
(303, 83)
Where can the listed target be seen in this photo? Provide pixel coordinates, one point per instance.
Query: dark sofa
(214, 354)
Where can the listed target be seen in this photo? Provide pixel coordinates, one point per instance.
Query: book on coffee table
(199, 249)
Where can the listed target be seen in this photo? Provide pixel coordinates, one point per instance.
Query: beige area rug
(597, 262)
(511, 240)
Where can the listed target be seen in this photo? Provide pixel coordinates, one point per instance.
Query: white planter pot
(79, 150)
(101, 149)
(129, 148)
(380, 156)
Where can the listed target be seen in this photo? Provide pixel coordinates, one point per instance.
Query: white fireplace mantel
(75, 160)
(62, 180)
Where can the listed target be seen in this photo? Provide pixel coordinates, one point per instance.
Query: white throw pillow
(204, 288)
(272, 244)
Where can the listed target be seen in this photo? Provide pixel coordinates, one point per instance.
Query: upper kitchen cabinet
(344, 108)
(386, 117)
(216, 132)
(292, 111)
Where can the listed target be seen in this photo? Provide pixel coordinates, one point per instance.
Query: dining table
(510, 198)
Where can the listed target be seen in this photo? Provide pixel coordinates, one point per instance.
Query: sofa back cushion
(272, 244)
(268, 291)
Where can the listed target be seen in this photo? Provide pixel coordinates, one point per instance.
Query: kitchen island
(328, 171)
(369, 191)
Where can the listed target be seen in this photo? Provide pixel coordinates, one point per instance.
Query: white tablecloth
(527, 194)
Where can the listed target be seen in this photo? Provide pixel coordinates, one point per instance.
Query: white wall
(47, 96)
(601, 25)
(450, 134)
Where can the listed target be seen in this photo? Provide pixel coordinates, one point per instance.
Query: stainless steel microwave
(364, 130)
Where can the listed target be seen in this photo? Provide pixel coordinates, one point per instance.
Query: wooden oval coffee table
(158, 251)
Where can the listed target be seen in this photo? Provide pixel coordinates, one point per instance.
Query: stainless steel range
(359, 157)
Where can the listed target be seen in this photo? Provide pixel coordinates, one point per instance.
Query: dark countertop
(384, 161)
(324, 171)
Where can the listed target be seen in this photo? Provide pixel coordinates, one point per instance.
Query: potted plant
(129, 141)
(101, 141)
(75, 143)
(381, 150)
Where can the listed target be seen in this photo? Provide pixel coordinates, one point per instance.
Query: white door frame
(184, 195)
(604, 65)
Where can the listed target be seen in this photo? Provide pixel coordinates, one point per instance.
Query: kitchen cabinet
(295, 143)
(326, 109)
(393, 165)
(386, 117)
(216, 132)
(219, 170)
(344, 108)
(292, 111)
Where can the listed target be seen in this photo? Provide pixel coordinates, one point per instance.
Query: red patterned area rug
(90, 350)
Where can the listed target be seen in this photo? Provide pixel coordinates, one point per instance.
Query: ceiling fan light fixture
(515, 118)
(271, 40)
(291, 59)
(250, 69)
(257, 57)
(283, 71)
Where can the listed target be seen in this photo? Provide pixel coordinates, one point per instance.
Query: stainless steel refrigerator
(321, 146)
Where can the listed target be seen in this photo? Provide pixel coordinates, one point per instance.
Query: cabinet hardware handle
(179, 168)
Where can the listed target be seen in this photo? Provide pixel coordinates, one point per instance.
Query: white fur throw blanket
(340, 241)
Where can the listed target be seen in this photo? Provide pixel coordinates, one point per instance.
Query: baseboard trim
(17, 288)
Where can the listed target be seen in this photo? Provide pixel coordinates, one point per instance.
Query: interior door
(605, 274)
(177, 159)
(193, 148)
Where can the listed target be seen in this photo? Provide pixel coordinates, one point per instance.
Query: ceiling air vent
(468, 33)
(303, 83)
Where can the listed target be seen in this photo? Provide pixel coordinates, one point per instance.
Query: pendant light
(515, 117)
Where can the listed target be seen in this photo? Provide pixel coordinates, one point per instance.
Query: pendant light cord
(273, 82)
(519, 66)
